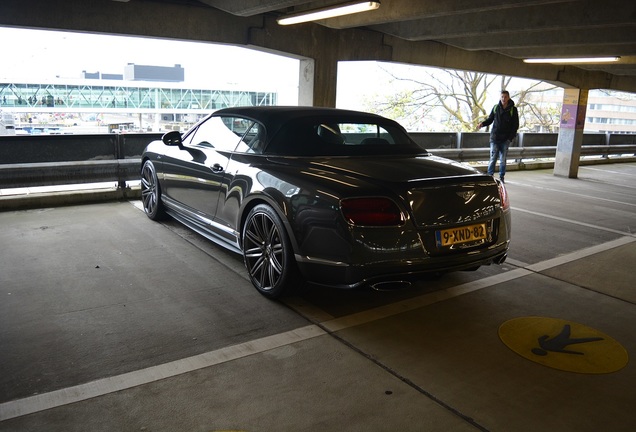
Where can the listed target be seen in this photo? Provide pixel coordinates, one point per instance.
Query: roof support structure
(566, 162)
(318, 48)
(309, 40)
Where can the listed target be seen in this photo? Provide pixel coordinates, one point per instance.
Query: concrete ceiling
(515, 28)
(486, 36)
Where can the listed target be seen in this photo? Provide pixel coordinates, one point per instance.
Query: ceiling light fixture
(329, 12)
(573, 60)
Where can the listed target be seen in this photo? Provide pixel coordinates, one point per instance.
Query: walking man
(505, 122)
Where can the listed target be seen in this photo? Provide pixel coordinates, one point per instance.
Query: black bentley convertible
(326, 196)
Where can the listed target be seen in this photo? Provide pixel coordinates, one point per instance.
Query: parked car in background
(326, 196)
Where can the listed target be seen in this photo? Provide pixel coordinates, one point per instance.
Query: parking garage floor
(112, 322)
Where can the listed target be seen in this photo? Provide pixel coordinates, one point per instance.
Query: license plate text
(465, 234)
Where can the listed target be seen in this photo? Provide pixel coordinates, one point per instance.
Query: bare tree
(462, 95)
(618, 95)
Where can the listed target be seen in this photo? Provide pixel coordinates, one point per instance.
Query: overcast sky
(41, 55)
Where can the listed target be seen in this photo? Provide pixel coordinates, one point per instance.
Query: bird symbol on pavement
(559, 342)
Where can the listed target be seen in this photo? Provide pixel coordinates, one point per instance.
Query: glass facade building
(125, 96)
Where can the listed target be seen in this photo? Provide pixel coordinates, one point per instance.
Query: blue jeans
(498, 149)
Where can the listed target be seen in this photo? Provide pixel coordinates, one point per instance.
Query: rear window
(336, 137)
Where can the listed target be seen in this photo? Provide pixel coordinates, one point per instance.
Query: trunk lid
(438, 192)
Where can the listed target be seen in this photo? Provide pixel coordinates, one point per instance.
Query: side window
(366, 134)
(330, 133)
(220, 133)
(253, 141)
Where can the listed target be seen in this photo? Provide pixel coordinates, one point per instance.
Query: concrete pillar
(325, 80)
(317, 82)
(306, 82)
(566, 163)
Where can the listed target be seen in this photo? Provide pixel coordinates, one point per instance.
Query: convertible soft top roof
(275, 116)
(288, 125)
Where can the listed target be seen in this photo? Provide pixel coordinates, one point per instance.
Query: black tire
(267, 253)
(151, 192)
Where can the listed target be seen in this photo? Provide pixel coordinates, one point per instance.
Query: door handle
(216, 168)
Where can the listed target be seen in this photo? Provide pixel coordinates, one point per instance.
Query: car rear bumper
(348, 276)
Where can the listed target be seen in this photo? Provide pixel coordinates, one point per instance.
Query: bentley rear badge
(466, 195)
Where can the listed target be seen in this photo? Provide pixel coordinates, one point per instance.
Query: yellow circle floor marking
(563, 345)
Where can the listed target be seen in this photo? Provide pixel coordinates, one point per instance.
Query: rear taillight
(503, 195)
(371, 212)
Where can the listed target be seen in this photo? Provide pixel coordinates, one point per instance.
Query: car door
(240, 177)
(193, 174)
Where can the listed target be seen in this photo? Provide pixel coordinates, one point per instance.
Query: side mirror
(172, 138)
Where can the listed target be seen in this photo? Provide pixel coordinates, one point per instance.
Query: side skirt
(203, 226)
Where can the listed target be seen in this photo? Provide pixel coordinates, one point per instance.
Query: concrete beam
(249, 7)
(541, 18)
(136, 18)
(518, 43)
(398, 10)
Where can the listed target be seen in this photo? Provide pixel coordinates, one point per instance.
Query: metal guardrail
(30, 161)
(62, 173)
(524, 153)
(50, 160)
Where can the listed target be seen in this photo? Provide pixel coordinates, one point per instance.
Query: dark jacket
(505, 122)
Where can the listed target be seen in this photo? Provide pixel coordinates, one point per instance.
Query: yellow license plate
(465, 234)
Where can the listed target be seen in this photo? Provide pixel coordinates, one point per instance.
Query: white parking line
(571, 221)
(624, 173)
(421, 301)
(41, 402)
(381, 312)
(581, 195)
(434, 297)
(577, 255)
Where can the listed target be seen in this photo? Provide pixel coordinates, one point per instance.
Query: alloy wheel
(263, 251)
(151, 192)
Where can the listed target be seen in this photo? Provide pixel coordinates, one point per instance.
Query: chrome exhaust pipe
(390, 285)
(501, 259)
